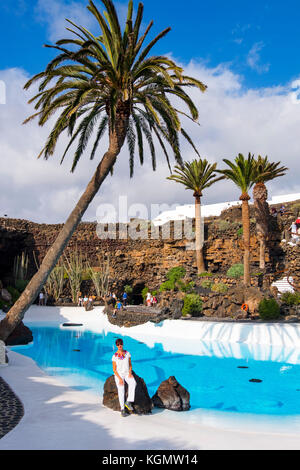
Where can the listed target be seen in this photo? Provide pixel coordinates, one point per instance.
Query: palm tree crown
(242, 172)
(196, 175)
(267, 171)
(107, 76)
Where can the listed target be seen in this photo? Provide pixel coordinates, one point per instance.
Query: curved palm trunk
(262, 213)
(199, 237)
(16, 313)
(246, 237)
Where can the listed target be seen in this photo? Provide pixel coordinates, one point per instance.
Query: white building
(188, 210)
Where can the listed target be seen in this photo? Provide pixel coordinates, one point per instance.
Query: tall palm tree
(197, 176)
(243, 172)
(100, 82)
(265, 171)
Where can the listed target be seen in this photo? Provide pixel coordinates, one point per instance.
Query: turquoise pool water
(82, 359)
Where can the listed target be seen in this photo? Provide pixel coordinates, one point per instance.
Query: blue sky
(246, 52)
(258, 39)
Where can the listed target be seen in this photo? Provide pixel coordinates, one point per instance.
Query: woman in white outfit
(122, 368)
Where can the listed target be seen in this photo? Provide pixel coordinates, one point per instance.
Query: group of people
(118, 304)
(295, 231)
(151, 300)
(275, 212)
(124, 298)
(87, 301)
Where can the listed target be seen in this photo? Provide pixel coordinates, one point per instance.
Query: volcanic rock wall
(145, 262)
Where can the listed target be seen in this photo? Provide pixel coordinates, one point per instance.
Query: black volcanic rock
(21, 335)
(142, 402)
(172, 396)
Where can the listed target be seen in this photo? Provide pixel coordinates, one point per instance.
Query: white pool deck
(60, 418)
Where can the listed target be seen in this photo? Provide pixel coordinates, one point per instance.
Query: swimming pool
(249, 383)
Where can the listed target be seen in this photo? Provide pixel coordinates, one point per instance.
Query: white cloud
(253, 58)
(54, 14)
(233, 119)
(238, 40)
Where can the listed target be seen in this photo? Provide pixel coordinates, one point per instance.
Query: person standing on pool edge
(122, 368)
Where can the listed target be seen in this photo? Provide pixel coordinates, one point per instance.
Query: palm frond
(131, 145)
(196, 175)
(242, 171)
(111, 76)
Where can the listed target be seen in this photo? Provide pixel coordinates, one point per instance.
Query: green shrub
(239, 231)
(186, 287)
(144, 293)
(205, 274)
(220, 287)
(223, 225)
(128, 289)
(174, 274)
(192, 305)
(236, 271)
(207, 284)
(15, 294)
(154, 292)
(167, 285)
(21, 284)
(268, 309)
(290, 299)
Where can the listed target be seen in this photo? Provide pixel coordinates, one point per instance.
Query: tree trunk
(262, 251)
(246, 237)
(199, 236)
(262, 214)
(16, 313)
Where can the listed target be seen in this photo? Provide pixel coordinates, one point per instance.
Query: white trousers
(121, 389)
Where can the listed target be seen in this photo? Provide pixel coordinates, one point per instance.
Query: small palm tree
(242, 172)
(265, 171)
(105, 82)
(197, 176)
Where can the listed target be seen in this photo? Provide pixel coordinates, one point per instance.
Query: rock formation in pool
(172, 396)
(142, 402)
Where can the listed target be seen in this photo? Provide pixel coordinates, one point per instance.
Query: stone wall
(145, 262)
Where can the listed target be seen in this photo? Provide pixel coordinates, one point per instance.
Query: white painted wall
(222, 339)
